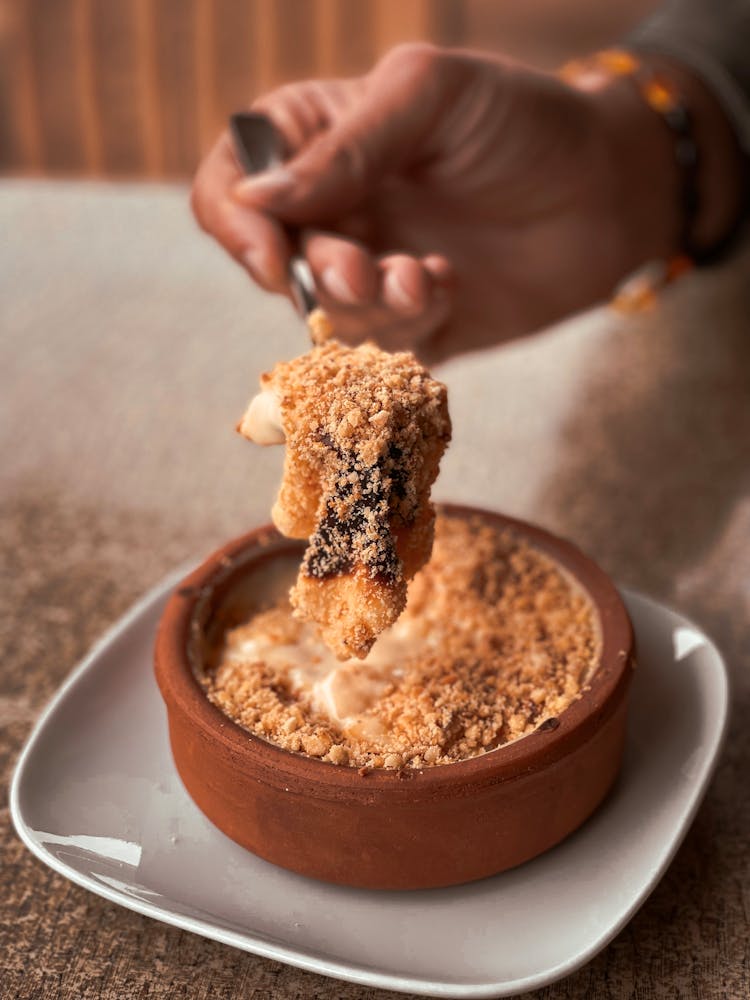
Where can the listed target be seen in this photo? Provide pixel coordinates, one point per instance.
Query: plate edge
(355, 974)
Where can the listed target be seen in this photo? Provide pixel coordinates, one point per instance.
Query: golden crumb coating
(365, 431)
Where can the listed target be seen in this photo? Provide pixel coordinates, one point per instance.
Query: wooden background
(138, 88)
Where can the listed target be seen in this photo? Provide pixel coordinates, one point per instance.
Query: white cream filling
(262, 420)
(342, 691)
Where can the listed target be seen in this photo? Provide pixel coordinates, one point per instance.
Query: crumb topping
(500, 643)
(365, 431)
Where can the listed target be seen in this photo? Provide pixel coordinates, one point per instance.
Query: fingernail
(397, 295)
(338, 287)
(270, 182)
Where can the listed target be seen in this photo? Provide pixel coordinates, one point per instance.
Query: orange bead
(659, 96)
(618, 61)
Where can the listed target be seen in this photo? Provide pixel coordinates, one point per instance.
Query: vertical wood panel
(148, 96)
(294, 39)
(176, 41)
(86, 90)
(20, 140)
(206, 70)
(236, 70)
(264, 45)
(139, 87)
(344, 42)
(354, 38)
(51, 38)
(326, 37)
(114, 37)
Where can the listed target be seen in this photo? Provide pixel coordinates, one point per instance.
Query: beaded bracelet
(638, 291)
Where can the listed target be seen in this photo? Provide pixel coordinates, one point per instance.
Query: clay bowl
(388, 830)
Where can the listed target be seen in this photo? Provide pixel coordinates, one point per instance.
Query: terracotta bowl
(388, 830)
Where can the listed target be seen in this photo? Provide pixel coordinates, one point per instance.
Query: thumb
(384, 132)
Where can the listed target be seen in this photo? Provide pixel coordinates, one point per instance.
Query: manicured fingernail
(338, 287)
(266, 184)
(397, 296)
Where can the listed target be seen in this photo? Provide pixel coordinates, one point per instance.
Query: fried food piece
(365, 431)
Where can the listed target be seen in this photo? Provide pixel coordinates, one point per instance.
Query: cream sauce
(342, 691)
(262, 420)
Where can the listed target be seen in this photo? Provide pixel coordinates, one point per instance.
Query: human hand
(448, 200)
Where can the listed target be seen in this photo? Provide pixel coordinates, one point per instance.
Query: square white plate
(96, 797)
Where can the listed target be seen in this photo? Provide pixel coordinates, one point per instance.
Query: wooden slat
(20, 140)
(207, 62)
(176, 42)
(140, 87)
(344, 43)
(51, 34)
(263, 41)
(293, 40)
(354, 38)
(325, 40)
(88, 104)
(235, 68)
(148, 92)
(114, 40)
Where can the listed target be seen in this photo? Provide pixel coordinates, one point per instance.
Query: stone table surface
(128, 347)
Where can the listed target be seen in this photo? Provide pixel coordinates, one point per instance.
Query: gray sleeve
(712, 37)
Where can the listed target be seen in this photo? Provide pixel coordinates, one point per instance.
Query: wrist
(720, 180)
(642, 177)
(664, 206)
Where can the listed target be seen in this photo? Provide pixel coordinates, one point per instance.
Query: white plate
(96, 797)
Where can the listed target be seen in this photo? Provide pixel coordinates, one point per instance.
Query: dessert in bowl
(398, 716)
(474, 742)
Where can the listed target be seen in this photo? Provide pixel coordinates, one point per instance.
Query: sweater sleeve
(713, 39)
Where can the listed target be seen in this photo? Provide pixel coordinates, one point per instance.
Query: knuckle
(265, 103)
(412, 59)
(352, 159)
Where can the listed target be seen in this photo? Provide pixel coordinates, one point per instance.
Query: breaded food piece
(365, 431)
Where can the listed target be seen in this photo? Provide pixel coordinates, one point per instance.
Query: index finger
(253, 238)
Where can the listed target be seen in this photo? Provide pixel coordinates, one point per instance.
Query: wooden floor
(138, 88)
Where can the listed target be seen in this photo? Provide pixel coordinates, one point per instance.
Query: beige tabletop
(129, 346)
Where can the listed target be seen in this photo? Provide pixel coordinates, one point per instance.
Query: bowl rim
(293, 771)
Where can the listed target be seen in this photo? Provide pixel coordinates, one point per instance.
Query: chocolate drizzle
(355, 527)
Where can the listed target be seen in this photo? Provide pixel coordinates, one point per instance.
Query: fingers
(341, 136)
(398, 301)
(298, 111)
(265, 249)
(387, 128)
(253, 238)
(406, 285)
(344, 271)
(417, 298)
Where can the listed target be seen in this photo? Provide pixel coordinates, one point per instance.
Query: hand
(447, 200)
